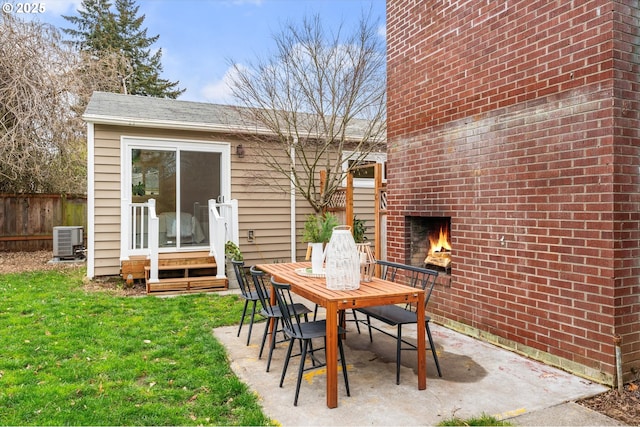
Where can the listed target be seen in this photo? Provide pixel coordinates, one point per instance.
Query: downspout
(293, 201)
(617, 341)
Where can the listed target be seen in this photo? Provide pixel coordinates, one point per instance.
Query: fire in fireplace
(439, 252)
(430, 241)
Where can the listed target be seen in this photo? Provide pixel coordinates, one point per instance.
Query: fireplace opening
(430, 239)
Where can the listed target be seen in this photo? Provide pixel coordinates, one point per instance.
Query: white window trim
(91, 204)
(371, 157)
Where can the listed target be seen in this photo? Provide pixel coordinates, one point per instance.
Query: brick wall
(518, 119)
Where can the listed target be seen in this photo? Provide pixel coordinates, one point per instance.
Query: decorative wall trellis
(341, 203)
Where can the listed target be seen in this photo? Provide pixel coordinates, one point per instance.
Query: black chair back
(290, 318)
(241, 275)
(417, 277)
(262, 288)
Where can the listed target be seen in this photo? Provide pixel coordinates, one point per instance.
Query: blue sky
(199, 37)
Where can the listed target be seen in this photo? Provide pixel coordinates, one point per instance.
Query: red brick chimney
(518, 120)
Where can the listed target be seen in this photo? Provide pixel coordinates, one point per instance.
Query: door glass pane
(153, 176)
(199, 182)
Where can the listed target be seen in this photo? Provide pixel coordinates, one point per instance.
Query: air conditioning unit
(67, 242)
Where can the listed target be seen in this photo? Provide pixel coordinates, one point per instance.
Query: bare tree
(44, 87)
(319, 95)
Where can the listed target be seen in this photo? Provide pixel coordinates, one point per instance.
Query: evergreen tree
(103, 31)
(95, 24)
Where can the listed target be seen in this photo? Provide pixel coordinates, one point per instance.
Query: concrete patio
(477, 378)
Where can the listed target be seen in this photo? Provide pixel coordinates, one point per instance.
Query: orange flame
(440, 243)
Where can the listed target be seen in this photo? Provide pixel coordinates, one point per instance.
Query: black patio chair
(272, 312)
(304, 333)
(248, 293)
(396, 315)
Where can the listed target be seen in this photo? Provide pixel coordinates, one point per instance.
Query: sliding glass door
(181, 177)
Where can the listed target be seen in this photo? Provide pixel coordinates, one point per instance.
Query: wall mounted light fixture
(240, 150)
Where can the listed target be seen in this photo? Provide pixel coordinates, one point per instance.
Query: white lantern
(342, 263)
(367, 261)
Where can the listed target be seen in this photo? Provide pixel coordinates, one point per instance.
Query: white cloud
(382, 31)
(58, 7)
(219, 91)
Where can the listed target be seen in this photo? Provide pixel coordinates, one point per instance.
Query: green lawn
(70, 357)
(481, 420)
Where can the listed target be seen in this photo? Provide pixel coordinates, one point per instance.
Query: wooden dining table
(375, 292)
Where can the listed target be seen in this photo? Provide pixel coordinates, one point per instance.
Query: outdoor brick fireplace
(521, 129)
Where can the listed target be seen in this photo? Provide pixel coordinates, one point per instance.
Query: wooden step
(178, 273)
(186, 258)
(137, 265)
(134, 267)
(183, 285)
(174, 272)
(183, 266)
(185, 272)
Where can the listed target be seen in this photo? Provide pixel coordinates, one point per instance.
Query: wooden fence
(27, 220)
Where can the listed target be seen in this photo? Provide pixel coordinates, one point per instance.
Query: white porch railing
(154, 236)
(142, 232)
(138, 230)
(224, 225)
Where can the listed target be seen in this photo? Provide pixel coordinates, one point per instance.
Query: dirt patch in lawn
(116, 286)
(20, 262)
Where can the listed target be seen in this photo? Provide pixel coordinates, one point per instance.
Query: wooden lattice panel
(383, 200)
(338, 200)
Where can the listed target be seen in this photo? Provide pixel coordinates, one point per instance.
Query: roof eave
(169, 124)
(180, 125)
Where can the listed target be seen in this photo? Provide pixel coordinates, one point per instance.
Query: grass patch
(482, 420)
(70, 357)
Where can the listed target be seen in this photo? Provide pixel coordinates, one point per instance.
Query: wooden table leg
(422, 350)
(332, 354)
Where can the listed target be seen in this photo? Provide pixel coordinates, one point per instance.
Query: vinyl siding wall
(267, 211)
(106, 201)
(262, 209)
